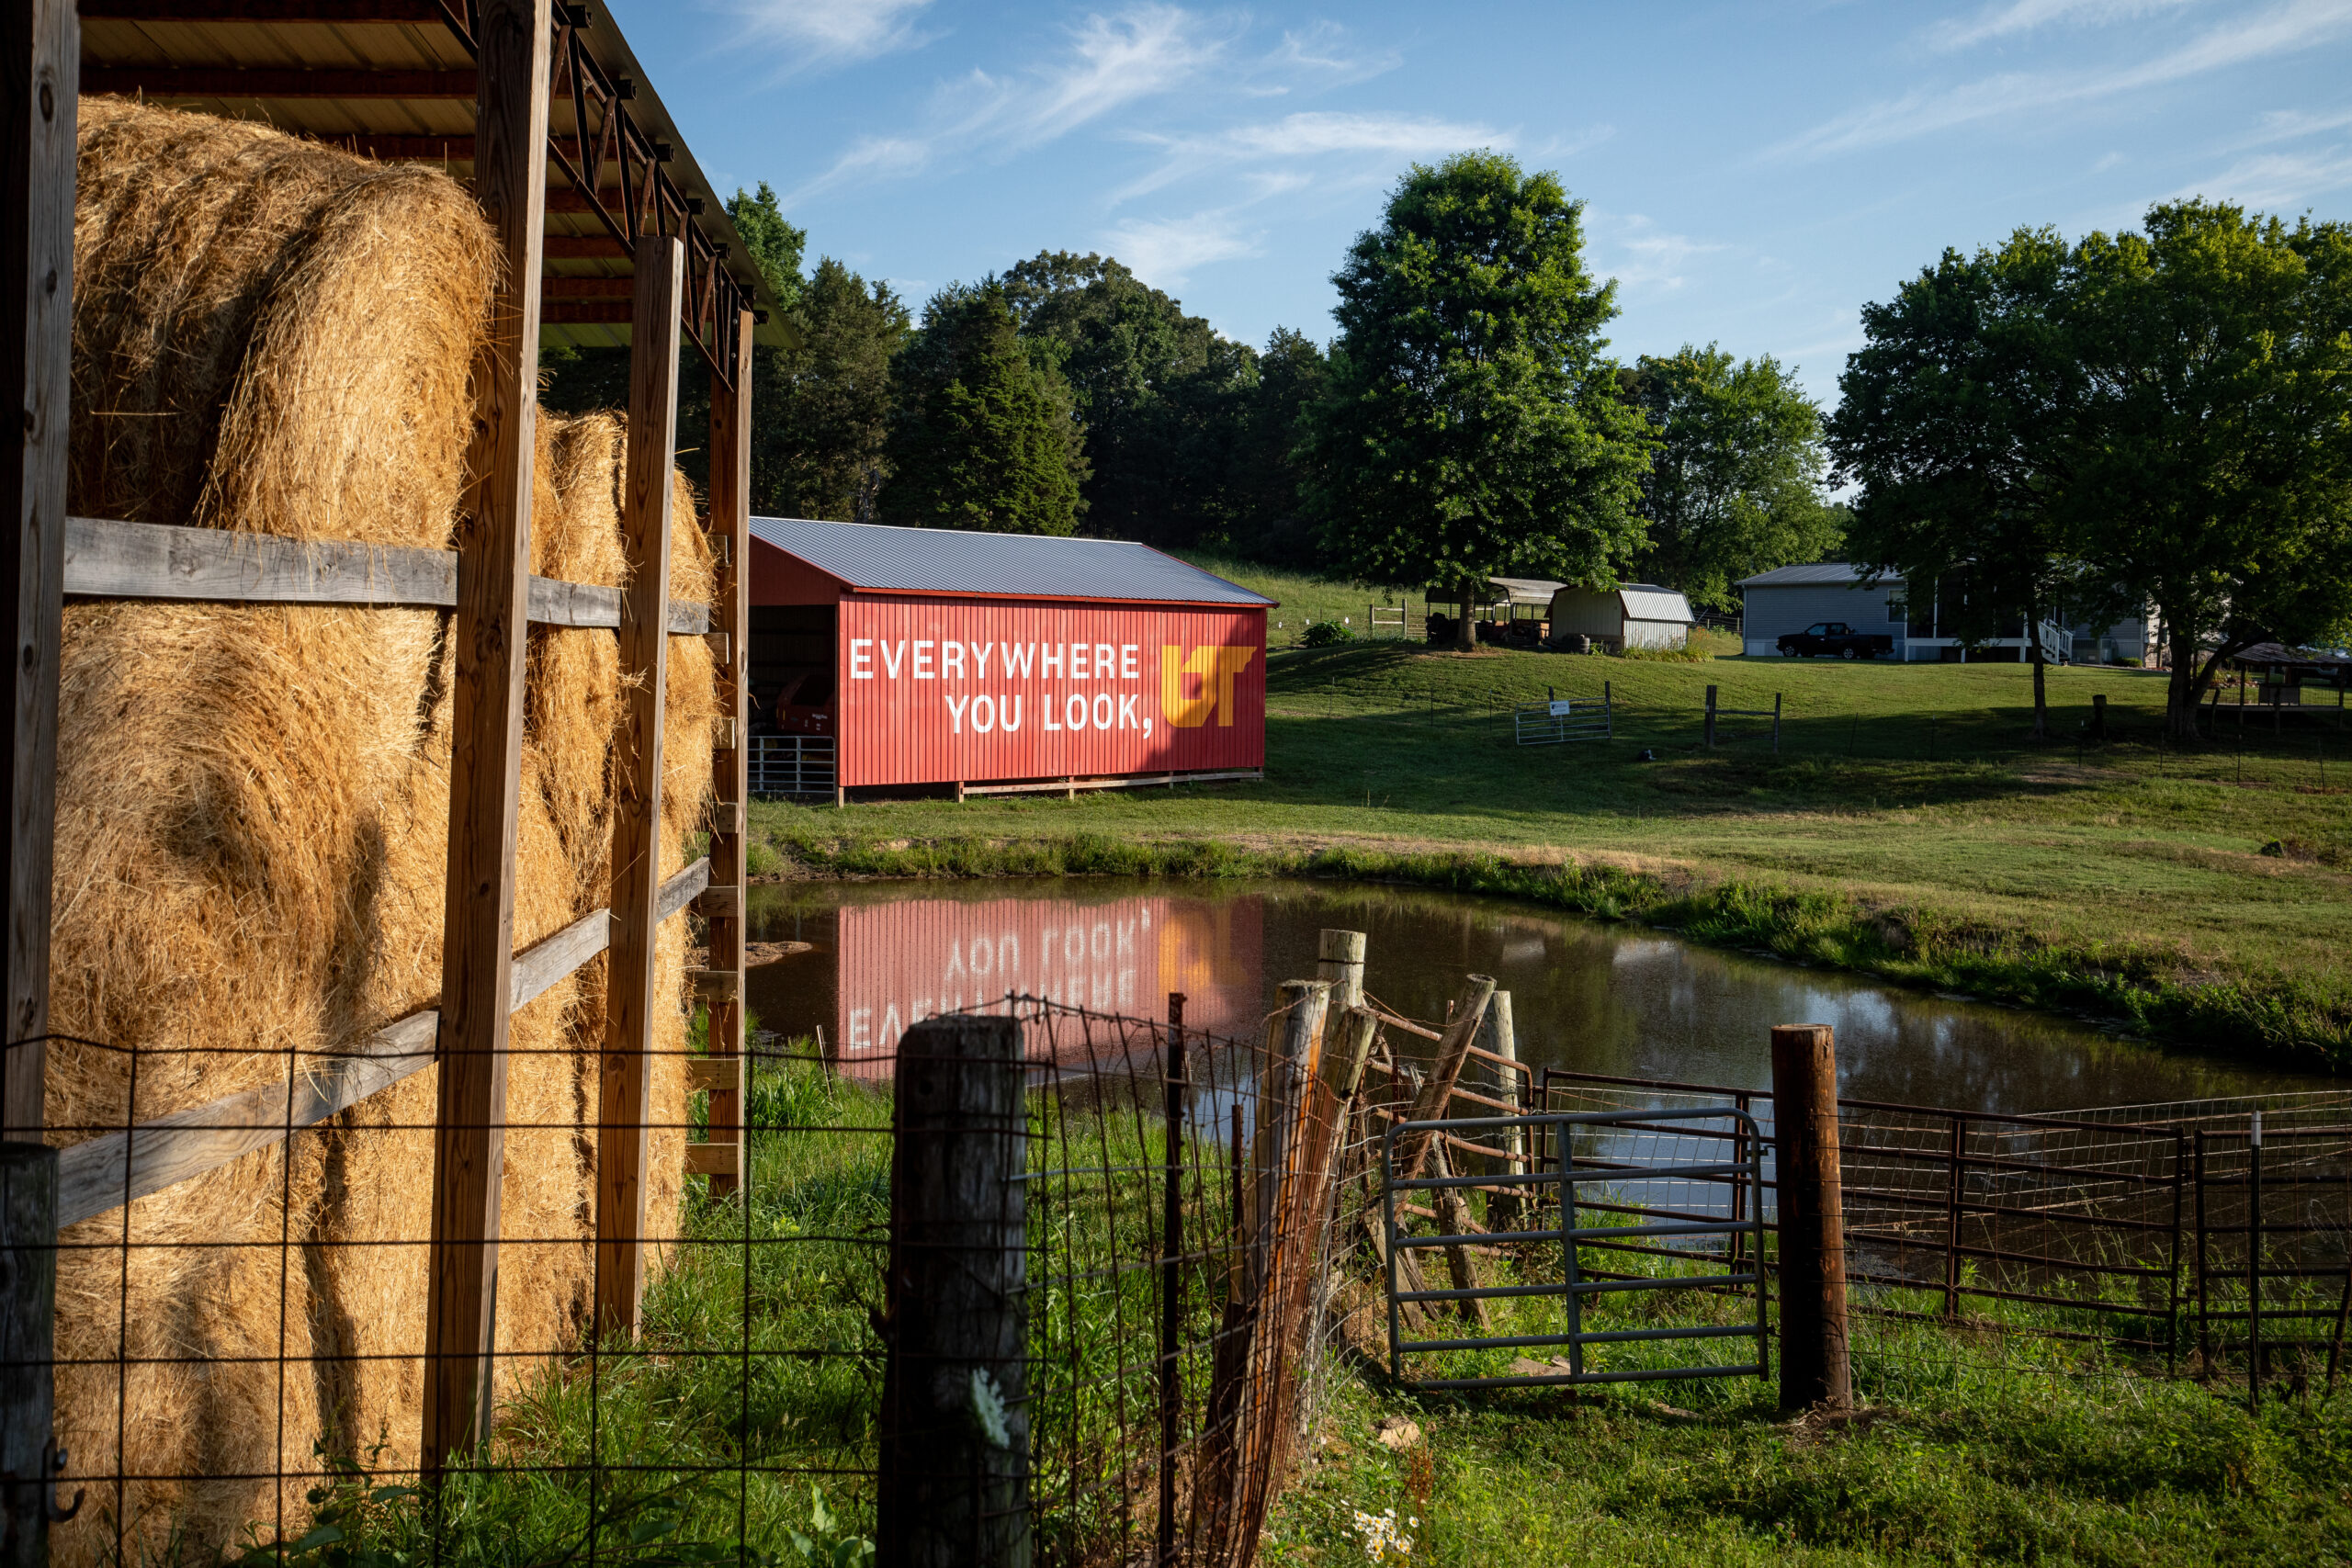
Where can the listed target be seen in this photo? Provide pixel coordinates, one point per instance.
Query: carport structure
(612, 237)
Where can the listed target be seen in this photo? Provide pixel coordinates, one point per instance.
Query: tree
(2215, 479)
(775, 246)
(981, 432)
(1164, 397)
(1958, 418)
(822, 412)
(1736, 486)
(1265, 471)
(1469, 423)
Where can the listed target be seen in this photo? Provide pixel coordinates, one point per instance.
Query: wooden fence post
(1280, 1104)
(486, 763)
(1776, 724)
(631, 989)
(1174, 1092)
(38, 98)
(1711, 718)
(730, 524)
(2099, 716)
(1452, 1050)
(28, 1336)
(1340, 960)
(1502, 1039)
(954, 1428)
(1814, 1367)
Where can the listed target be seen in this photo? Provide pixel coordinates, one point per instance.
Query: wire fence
(241, 1357)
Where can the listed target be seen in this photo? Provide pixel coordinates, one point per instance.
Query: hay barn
(370, 722)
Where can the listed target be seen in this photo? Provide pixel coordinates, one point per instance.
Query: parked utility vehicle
(1834, 638)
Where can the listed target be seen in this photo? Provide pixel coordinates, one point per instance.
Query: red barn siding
(939, 690)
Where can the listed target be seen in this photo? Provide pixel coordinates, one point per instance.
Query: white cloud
(1655, 257)
(2290, 125)
(2108, 162)
(1112, 61)
(2010, 18)
(2297, 25)
(2278, 179)
(1164, 252)
(1322, 51)
(1297, 137)
(818, 33)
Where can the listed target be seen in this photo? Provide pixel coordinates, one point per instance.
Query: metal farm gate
(1653, 1214)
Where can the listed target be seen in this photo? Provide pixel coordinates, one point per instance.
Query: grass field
(1909, 825)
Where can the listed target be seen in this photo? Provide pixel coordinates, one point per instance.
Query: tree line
(2143, 423)
(1065, 395)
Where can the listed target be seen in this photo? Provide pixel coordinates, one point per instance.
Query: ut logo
(1217, 667)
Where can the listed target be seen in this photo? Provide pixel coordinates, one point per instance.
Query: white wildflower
(1382, 1540)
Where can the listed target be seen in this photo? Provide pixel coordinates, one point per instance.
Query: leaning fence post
(1815, 1366)
(27, 1338)
(1171, 1276)
(954, 1428)
(1453, 1049)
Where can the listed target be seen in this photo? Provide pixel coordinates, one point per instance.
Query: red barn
(889, 657)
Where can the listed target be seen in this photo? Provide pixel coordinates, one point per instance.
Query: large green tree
(1735, 485)
(2216, 476)
(1470, 424)
(1959, 418)
(822, 411)
(775, 246)
(1267, 472)
(982, 432)
(1164, 396)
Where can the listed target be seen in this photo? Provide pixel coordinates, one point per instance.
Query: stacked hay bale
(277, 338)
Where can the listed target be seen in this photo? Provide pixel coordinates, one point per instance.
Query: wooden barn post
(632, 988)
(485, 774)
(730, 620)
(37, 277)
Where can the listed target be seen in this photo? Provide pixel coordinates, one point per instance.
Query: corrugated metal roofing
(1525, 589)
(1023, 566)
(1815, 574)
(1647, 602)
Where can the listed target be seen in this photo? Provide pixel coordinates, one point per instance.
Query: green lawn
(1908, 809)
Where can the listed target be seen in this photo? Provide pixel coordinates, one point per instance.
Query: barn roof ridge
(894, 559)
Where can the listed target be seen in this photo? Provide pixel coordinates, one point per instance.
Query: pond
(1587, 995)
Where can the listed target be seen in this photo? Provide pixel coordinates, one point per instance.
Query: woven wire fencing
(2128, 1240)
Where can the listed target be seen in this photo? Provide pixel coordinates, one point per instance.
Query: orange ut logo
(1215, 667)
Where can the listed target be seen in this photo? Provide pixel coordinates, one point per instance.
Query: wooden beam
(105, 1172)
(731, 616)
(591, 289)
(28, 1349)
(720, 903)
(38, 98)
(346, 12)
(485, 785)
(632, 990)
(613, 314)
(280, 81)
(717, 1161)
(108, 560)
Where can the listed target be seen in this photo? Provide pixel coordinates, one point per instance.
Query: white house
(1791, 598)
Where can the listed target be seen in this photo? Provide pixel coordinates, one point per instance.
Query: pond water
(1586, 995)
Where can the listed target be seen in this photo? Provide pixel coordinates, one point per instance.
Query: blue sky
(1754, 172)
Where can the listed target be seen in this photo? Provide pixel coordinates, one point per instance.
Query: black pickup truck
(1834, 638)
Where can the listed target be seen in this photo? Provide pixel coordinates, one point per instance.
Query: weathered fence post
(2253, 1263)
(1711, 718)
(1340, 960)
(954, 1429)
(2099, 716)
(27, 1334)
(1173, 1095)
(1502, 1210)
(1814, 1369)
(1776, 724)
(1452, 1050)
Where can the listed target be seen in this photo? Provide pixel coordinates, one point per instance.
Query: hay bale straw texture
(275, 337)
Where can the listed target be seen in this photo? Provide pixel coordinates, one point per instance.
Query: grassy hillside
(1302, 597)
(1909, 825)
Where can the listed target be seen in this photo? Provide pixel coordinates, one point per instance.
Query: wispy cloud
(2278, 179)
(2292, 125)
(1110, 63)
(1323, 54)
(814, 34)
(1654, 258)
(2297, 25)
(2009, 18)
(1164, 252)
(1300, 138)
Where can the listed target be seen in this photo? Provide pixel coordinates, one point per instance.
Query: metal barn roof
(882, 559)
(1817, 573)
(1648, 602)
(1523, 589)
